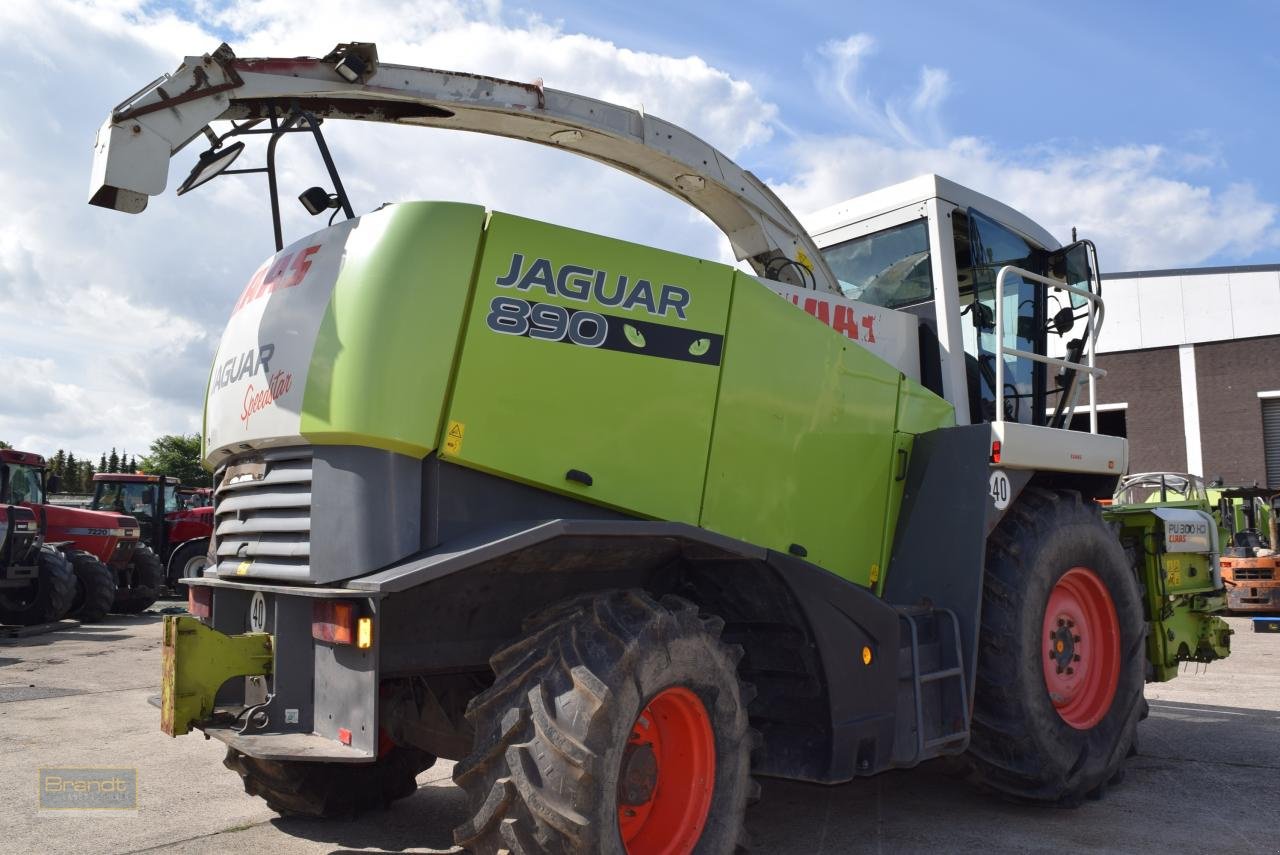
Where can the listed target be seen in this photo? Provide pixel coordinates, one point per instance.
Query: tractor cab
(1004, 318)
(22, 478)
(175, 528)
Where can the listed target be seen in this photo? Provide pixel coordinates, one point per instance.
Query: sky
(1149, 126)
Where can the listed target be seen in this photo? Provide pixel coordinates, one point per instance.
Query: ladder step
(939, 675)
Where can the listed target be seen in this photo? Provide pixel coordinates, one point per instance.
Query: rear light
(364, 633)
(344, 735)
(200, 601)
(995, 451)
(334, 621)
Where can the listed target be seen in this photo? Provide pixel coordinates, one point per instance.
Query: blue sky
(1150, 126)
(1202, 79)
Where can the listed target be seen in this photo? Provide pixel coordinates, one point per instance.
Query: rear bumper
(1254, 597)
(252, 676)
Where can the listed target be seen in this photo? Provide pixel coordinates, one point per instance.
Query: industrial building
(1193, 362)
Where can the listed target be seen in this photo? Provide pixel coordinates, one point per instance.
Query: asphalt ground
(1206, 779)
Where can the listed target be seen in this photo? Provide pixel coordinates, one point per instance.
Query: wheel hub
(1081, 662)
(639, 774)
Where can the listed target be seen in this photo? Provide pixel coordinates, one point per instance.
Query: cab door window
(983, 246)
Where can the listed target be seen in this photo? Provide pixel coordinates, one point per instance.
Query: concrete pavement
(78, 698)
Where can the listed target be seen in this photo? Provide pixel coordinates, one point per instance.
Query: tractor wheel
(330, 790)
(95, 587)
(146, 575)
(1060, 656)
(46, 599)
(187, 562)
(615, 725)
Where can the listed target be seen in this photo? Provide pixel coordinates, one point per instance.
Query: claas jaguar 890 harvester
(619, 529)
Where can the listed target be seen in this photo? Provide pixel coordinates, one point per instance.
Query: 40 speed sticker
(999, 489)
(550, 322)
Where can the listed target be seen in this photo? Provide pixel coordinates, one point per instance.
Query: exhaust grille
(1254, 573)
(262, 514)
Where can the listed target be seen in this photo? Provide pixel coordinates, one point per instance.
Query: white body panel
(892, 336)
(1188, 530)
(260, 372)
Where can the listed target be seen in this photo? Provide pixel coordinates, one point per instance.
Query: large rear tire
(145, 578)
(615, 725)
(95, 587)
(48, 596)
(1060, 657)
(330, 790)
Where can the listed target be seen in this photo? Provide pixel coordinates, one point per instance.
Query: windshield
(132, 498)
(890, 268)
(26, 484)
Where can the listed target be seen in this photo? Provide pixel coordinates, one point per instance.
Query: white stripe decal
(1190, 408)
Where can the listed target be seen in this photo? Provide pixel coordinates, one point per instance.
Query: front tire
(145, 578)
(1061, 654)
(46, 599)
(615, 725)
(95, 588)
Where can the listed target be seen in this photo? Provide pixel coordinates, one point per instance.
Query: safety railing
(1093, 325)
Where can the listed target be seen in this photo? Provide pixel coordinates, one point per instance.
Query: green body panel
(804, 436)
(637, 423)
(384, 354)
(1181, 601)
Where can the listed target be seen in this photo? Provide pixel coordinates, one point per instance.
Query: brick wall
(1229, 376)
(1149, 381)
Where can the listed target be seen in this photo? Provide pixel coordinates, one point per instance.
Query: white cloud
(1136, 201)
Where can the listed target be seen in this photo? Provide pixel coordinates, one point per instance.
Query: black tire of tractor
(330, 790)
(55, 589)
(95, 587)
(148, 579)
(1021, 747)
(550, 732)
(183, 556)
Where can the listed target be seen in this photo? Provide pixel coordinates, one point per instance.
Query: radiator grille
(1256, 573)
(262, 513)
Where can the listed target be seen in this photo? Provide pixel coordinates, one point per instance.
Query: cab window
(889, 268)
(983, 246)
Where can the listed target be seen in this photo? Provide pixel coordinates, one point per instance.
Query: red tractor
(113, 572)
(182, 542)
(36, 583)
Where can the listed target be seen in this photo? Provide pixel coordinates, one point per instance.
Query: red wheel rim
(1081, 656)
(667, 777)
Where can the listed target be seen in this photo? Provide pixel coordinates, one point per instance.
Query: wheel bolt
(1071, 623)
(1059, 669)
(1075, 658)
(1061, 622)
(1076, 639)
(1071, 670)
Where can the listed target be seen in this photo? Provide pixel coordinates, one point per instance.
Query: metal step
(933, 698)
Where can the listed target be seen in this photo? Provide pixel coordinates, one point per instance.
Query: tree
(102, 462)
(113, 462)
(4, 444)
(58, 465)
(71, 475)
(177, 455)
(133, 464)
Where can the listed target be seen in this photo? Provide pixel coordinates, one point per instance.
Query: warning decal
(453, 438)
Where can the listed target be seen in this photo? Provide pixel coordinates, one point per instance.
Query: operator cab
(933, 249)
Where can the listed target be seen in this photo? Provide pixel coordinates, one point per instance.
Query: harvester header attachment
(134, 144)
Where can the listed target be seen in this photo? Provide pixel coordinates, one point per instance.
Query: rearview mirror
(210, 165)
(1064, 320)
(54, 483)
